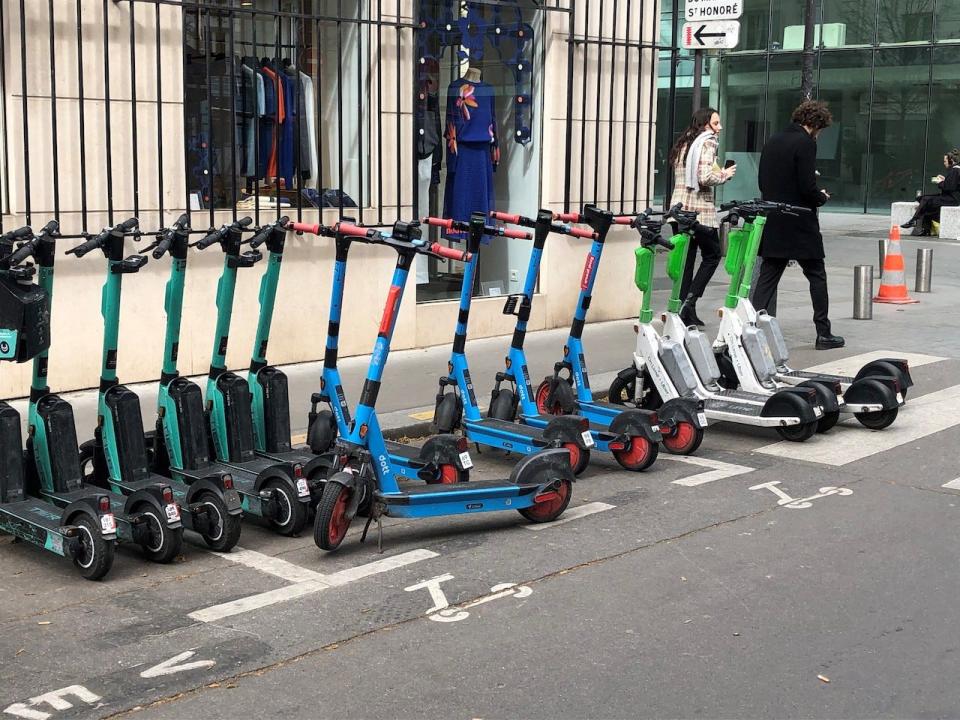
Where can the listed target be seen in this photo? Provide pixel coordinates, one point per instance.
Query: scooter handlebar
(622, 219)
(450, 253)
(91, 244)
(583, 233)
(350, 229)
(568, 217)
(446, 223)
(19, 234)
(517, 234)
(505, 217)
(22, 253)
(128, 225)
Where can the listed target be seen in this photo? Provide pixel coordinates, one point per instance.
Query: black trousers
(929, 208)
(708, 241)
(765, 293)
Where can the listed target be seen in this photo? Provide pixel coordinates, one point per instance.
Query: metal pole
(924, 269)
(863, 292)
(881, 253)
(697, 78)
(806, 71)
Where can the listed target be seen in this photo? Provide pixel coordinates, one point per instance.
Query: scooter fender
(561, 394)
(827, 395)
(282, 474)
(443, 450)
(353, 482)
(567, 429)
(887, 366)
(149, 496)
(682, 409)
(86, 506)
(878, 389)
(795, 402)
(543, 468)
(635, 423)
(214, 484)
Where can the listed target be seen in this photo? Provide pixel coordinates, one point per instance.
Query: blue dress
(473, 151)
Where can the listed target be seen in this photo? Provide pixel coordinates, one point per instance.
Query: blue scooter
(539, 487)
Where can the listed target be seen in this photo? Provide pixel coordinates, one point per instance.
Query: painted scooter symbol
(800, 503)
(442, 610)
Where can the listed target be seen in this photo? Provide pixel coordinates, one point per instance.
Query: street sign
(713, 10)
(711, 35)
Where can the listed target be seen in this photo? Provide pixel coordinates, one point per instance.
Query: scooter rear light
(654, 418)
(167, 495)
(617, 445)
(104, 503)
(462, 444)
(228, 482)
(298, 471)
(584, 424)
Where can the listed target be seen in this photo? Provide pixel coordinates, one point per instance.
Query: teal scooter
(117, 457)
(273, 489)
(84, 530)
(54, 471)
(179, 448)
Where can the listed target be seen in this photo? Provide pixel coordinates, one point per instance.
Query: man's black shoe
(688, 315)
(830, 342)
(909, 224)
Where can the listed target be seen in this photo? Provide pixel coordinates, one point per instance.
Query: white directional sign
(713, 10)
(724, 34)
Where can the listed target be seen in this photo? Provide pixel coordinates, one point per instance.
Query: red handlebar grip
(450, 253)
(440, 222)
(567, 217)
(518, 234)
(304, 228)
(505, 217)
(622, 219)
(582, 233)
(348, 229)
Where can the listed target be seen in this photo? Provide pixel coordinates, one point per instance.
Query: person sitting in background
(928, 210)
(695, 175)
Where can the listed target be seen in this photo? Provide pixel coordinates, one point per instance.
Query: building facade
(890, 70)
(317, 110)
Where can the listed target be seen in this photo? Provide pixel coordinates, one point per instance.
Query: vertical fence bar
(54, 145)
(107, 124)
(626, 104)
(277, 32)
(296, 29)
(596, 137)
(81, 121)
(158, 37)
(26, 123)
(258, 176)
(360, 66)
(380, 112)
(583, 98)
(186, 151)
(653, 50)
(340, 104)
(207, 52)
(397, 182)
(234, 151)
(610, 122)
(3, 109)
(318, 94)
(133, 111)
(568, 167)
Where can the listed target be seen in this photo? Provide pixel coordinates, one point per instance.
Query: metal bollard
(882, 252)
(863, 292)
(924, 269)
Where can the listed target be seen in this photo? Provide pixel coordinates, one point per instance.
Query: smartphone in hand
(729, 164)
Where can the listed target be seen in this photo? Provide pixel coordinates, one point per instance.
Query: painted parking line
(717, 469)
(271, 565)
(952, 485)
(850, 441)
(568, 515)
(314, 583)
(850, 365)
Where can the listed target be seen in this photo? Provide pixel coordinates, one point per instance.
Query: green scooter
(179, 447)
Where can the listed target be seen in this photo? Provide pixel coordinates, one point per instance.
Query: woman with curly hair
(928, 210)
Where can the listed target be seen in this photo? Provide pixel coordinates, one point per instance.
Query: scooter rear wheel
(223, 532)
(551, 506)
(293, 513)
(164, 543)
(878, 420)
(684, 440)
(798, 433)
(579, 457)
(96, 554)
(640, 455)
(332, 523)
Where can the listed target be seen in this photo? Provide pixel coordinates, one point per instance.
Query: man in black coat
(788, 174)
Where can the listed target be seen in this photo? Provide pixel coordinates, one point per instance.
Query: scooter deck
(255, 466)
(597, 425)
(802, 375)
(472, 491)
(400, 450)
(214, 469)
(33, 511)
(504, 426)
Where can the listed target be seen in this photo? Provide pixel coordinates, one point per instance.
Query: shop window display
(477, 126)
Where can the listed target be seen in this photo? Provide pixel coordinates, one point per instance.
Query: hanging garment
(273, 79)
(287, 146)
(472, 150)
(267, 123)
(251, 109)
(310, 126)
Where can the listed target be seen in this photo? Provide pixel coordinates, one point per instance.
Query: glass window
(849, 22)
(754, 25)
(906, 20)
(898, 125)
(841, 148)
(787, 25)
(948, 20)
(477, 125)
(943, 134)
(743, 102)
(262, 106)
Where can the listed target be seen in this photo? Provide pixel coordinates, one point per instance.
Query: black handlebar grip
(262, 236)
(83, 248)
(163, 244)
(208, 240)
(19, 234)
(51, 228)
(128, 225)
(22, 253)
(244, 222)
(183, 222)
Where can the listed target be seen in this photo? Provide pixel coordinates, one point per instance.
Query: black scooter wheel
(684, 440)
(504, 407)
(878, 420)
(798, 433)
(552, 504)
(331, 524)
(95, 557)
(579, 457)
(163, 543)
(640, 455)
(623, 391)
(224, 530)
(291, 517)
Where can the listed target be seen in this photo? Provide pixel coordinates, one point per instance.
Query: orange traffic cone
(893, 286)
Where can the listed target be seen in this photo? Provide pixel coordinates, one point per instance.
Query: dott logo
(587, 272)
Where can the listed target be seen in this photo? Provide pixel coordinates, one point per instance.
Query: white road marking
(176, 665)
(850, 365)
(441, 611)
(718, 470)
(851, 441)
(271, 565)
(313, 584)
(800, 503)
(56, 699)
(568, 515)
(952, 485)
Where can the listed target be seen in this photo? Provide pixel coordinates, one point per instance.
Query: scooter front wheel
(95, 557)
(163, 543)
(684, 440)
(331, 524)
(639, 455)
(549, 505)
(542, 395)
(291, 515)
(579, 457)
(223, 531)
(798, 433)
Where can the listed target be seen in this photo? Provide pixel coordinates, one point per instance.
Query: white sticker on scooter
(702, 419)
(108, 524)
(303, 489)
(173, 512)
(900, 397)
(466, 460)
(655, 428)
(587, 438)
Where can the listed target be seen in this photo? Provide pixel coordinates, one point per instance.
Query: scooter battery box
(25, 310)
(771, 329)
(276, 409)
(238, 411)
(755, 343)
(124, 408)
(675, 362)
(701, 353)
(11, 455)
(188, 399)
(56, 415)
